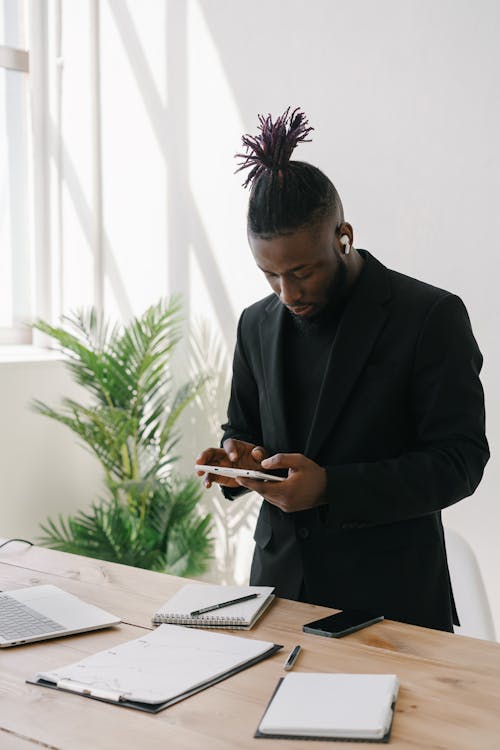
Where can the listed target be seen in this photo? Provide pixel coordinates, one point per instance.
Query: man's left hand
(304, 487)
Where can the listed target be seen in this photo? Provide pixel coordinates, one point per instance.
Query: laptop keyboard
(18, 621)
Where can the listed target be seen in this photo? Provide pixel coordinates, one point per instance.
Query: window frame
(18, 60)
(43, 279)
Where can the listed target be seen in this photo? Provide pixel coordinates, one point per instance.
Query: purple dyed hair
(274, 146)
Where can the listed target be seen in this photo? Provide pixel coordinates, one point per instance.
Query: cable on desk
(16, 540)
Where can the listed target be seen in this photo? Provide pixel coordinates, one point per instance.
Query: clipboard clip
(80, 687)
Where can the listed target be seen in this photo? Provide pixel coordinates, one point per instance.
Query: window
(15, 202)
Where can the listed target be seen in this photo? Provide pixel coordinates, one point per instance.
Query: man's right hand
(234, 453)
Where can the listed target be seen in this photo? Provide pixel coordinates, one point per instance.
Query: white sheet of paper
(161, 665)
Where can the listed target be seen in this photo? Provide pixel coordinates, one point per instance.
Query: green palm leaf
(150, 518)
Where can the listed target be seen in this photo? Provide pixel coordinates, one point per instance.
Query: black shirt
(307, 349)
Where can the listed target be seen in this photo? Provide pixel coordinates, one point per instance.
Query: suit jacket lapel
(361, 323)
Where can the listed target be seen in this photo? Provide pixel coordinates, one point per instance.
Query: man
(362, 385)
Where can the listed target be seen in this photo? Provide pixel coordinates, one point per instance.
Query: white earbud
(344, 240)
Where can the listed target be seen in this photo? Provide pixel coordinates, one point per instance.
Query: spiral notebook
(195, 596)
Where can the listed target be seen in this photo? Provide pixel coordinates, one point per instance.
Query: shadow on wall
(170, 129)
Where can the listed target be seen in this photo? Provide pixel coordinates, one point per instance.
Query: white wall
(43, 471)
(403, 95)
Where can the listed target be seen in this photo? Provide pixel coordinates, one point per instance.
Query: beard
(336, 295)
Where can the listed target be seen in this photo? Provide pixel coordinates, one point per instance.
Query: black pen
(292, 658)
(223, 604)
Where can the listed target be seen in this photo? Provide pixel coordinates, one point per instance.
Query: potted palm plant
(148, 516)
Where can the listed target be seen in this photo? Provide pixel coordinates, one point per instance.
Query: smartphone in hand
(230, 471)
(343, 623)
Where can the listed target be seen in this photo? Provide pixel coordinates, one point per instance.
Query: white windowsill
(16, 354)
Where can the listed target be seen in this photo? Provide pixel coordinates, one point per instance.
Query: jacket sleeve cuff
(333, 520)
(231, 493)
(338, 484)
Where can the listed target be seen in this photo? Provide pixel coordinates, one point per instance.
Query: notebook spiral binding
(209, 621)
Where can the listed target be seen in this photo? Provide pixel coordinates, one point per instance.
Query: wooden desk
(449, 696)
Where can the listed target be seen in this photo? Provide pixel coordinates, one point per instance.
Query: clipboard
(143, 674)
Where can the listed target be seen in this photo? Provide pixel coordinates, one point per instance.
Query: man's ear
(346, 228)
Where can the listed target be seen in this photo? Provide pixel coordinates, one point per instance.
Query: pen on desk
(292, 658)
(223, 604)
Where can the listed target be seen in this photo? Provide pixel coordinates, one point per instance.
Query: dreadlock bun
(274, 146)
(285, 195)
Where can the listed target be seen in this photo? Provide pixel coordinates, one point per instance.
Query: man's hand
(234, 453)
(304, 487)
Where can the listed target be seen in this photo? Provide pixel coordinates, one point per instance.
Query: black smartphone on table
(343, 623)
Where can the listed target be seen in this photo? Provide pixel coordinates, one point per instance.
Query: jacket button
(303, 532)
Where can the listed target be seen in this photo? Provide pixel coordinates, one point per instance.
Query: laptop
(39, 612)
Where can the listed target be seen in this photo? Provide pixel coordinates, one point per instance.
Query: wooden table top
(449, 695)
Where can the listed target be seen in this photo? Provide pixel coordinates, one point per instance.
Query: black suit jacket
(399, 426)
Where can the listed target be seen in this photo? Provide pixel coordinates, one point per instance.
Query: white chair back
(470, 594)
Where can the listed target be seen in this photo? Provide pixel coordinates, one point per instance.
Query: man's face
(306, 269)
